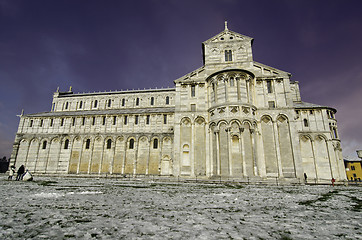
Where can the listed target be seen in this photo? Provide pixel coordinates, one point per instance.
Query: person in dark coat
(21, 171)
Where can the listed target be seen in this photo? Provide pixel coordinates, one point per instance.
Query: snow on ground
(61, 208)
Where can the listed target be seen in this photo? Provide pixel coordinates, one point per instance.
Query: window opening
(104, 121)
(66, 105)
(123, 101)
(152, 100)
(44, 144)
(95, 103)
(136, 119)
(109, 143)
(131, 144)
(109, 103)
(41, 122)
(137, 101)
(83, 121)
(305, 122)
(80, 104)
(114, 120)
(51, 122)
(271, 104)
(66, 144)
(148, 119)
(155, 143)
(269, 86)
(125, 120)
(165, 119)
(93, 120)
(62, 122)
(73, 121)
(228, 56)
(87, 144)
(167, 100)
(192, 90)
(231, 82)
(31, 123)
(193, 107)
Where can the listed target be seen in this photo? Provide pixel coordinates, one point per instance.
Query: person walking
(305, 178)
(11, 172)
(21, 171)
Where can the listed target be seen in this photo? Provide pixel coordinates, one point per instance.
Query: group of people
(20, 173)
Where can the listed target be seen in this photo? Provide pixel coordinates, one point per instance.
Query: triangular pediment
(227, 36)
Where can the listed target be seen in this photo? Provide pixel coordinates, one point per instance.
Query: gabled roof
(227, 32)
(236, 36)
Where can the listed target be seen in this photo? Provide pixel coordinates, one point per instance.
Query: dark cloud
(96, 45)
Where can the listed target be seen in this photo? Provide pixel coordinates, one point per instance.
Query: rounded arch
(234, 120)
(282, 117)
(155, 142)
(200, 120)
(119, 138)
(248, 122)
(266, 118)
(321, 137)
(99, 138)
(222, 122)
(166, 139)
(131, 141)
(185, 121)
(24, 141)
(34, 139)
(238, 73)
(54, 139)
(305, 137)
(77, 138)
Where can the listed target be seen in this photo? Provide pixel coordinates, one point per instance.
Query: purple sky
(96, 45)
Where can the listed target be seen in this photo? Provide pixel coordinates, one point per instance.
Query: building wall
(232, 117)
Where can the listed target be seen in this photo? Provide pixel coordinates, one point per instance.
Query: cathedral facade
(232, 117)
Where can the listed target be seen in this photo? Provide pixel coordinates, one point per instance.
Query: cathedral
(230, 118)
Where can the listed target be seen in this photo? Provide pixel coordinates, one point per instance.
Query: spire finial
(226, 25)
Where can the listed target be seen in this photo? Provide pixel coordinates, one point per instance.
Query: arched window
(80, 104)
(123, 101)
(137, 101)
(228, 56)
(155, 143)
(66, 105)
(44, 144)
(109, 102)
(231, 82)
(66, 144)
(87, 144)
(109, 143)
(131, 144)
(114, 120)
(104, 121)
(152, 100)
(95, 103)
(305, 122)
(94, 120)
(167, 100)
